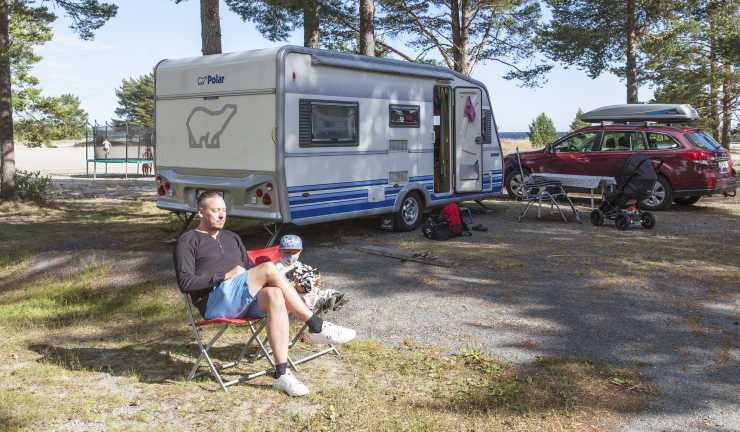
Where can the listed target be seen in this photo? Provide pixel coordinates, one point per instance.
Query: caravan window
(328, 123)
(486, 126)
(404, 115)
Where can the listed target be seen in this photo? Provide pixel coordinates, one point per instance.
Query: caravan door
(468, 140)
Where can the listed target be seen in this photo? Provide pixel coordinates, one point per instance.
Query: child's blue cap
(291, 242)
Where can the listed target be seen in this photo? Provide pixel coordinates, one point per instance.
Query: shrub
(32, 185)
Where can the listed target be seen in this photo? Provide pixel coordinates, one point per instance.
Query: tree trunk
(311, 36)
(727, 109)
(464, 35)
(631, 46)
(367, 27)
(713, 69)
(7, 166)
(210, 27)
(459, 34)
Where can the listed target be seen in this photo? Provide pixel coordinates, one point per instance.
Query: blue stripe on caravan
(421, 178)
(328, 204)
(342, 208)
(327, 197)
(327, 186)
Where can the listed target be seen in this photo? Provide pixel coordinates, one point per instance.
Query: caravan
(298, 135)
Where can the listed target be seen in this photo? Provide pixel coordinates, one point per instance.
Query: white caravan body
(326, 136)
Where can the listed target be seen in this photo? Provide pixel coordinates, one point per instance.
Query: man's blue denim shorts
(231, 299)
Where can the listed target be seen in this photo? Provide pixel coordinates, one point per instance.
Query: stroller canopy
(637, 177)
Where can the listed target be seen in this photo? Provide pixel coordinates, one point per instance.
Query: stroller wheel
(597, 218)
(647, 220)
(622, 222)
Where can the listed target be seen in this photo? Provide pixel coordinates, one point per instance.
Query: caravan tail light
(259, 193)
(163, 187)
(266, 199)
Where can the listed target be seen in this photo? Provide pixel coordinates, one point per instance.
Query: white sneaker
(290, 384)
(332, 334)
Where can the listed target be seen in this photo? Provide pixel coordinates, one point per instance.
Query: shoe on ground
(332, 334)
(289, 384)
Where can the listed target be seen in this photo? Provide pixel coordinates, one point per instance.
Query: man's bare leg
(272, 300)
(266, 274)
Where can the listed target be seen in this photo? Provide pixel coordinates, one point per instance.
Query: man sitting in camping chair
(212, 267)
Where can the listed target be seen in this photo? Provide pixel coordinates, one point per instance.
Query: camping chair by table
(537, 189)
(256, 326)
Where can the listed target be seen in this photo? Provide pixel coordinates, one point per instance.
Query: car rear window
(659, 141)
(703, 140)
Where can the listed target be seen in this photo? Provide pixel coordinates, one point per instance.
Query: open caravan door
(468, 140)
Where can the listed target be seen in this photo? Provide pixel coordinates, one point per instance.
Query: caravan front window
(329, 124)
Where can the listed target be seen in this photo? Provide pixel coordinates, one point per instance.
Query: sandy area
(62, 161)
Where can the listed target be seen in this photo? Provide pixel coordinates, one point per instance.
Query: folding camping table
(580, 181)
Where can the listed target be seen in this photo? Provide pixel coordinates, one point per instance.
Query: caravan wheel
(408, 216)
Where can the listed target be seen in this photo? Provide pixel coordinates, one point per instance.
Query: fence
(125, 145)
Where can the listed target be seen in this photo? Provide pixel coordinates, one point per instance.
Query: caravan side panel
(338, 182)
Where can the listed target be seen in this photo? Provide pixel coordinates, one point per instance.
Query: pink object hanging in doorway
(470, 110)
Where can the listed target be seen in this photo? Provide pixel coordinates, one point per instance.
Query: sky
(146, 31)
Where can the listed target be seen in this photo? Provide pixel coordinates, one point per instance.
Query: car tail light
(711, 183)
(699, 157)
(266, 199)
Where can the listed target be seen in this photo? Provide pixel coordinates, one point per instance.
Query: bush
(542, 131)
(32, 185)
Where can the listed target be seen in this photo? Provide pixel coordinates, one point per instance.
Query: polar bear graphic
(206, 126)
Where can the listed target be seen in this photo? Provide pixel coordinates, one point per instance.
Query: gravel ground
(681, 331)
(541, 288)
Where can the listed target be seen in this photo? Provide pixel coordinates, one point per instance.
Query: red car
(694, 164)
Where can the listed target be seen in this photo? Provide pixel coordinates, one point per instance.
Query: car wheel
(647, 220)
(687, 201)
(622, 222)
(597, 218)
(514, 183)
(408, 216)
(661, 197)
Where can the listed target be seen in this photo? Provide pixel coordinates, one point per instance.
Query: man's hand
(236, 271)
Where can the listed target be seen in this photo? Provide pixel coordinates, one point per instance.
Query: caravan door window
(329, 124)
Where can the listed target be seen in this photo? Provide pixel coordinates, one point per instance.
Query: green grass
(82, 348)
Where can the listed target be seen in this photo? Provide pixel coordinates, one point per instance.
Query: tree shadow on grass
(157, 362)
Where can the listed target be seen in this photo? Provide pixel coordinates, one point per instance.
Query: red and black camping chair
(256, 344)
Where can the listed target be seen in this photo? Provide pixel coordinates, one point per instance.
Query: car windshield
(703, 140)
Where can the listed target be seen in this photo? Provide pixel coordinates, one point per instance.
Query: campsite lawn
(95, 336)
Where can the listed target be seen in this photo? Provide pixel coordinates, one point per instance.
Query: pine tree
(465, 33)
(52, 118)
(578, 123)
(600, 36)
(136, 101)
(86, 15)
(694, 59)
(542, 131)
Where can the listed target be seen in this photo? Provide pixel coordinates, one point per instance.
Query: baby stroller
(635, 183)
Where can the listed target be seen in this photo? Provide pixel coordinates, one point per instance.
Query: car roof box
(660, 113)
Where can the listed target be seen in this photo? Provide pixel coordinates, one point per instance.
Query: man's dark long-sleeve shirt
(202, 261)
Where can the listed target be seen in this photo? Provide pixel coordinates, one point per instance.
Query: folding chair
(256, 326)
(537, 189)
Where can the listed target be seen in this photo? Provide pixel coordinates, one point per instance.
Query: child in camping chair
(306, 279)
